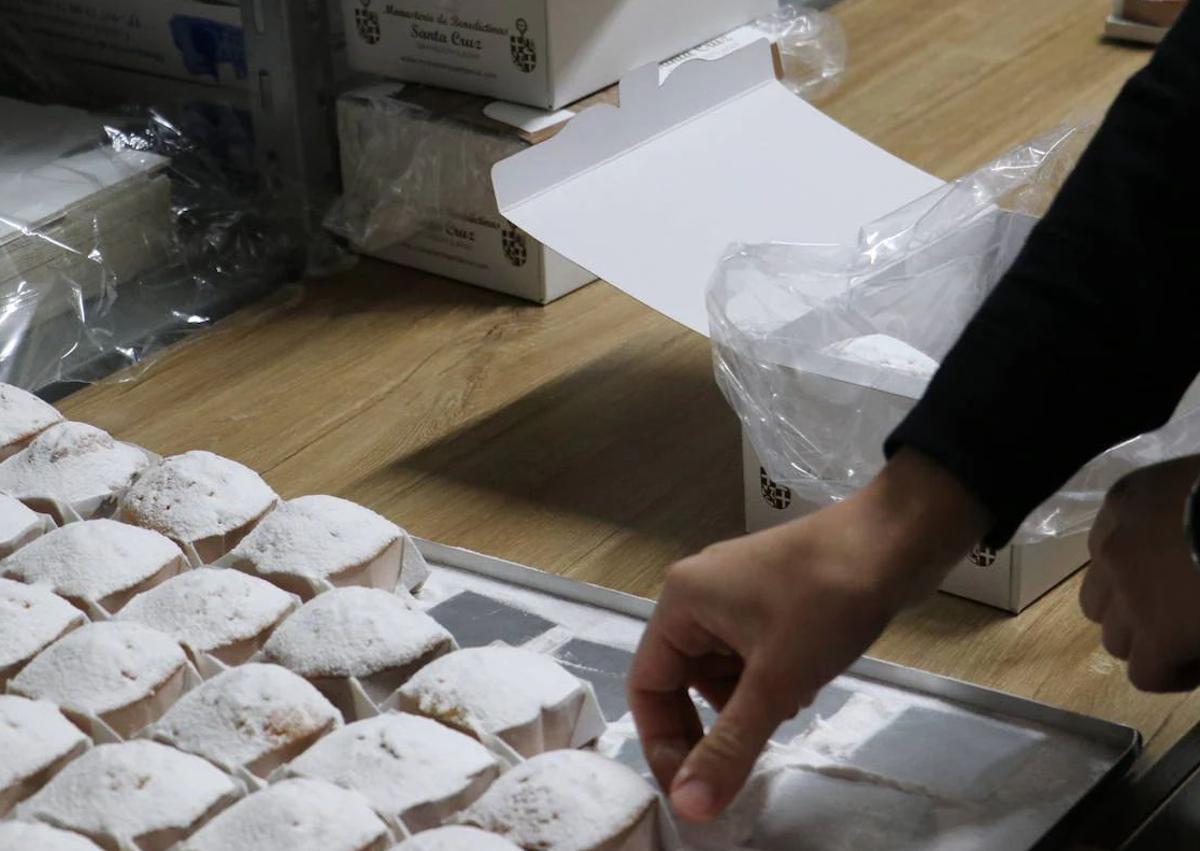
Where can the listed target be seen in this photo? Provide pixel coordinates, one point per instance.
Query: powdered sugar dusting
(92, 559)
(397, 762)
(22, 415)
(295, 815)
(16, 519)
(208, 609)
(71, 462)
(24, 836)
(563, 801)
(197, 495)
(33, 736)
(457, 838)
(31, 618)
(101, 667)
(316, 537)
(245, 714)
(492, 688)
(127, 790)
(354, 632)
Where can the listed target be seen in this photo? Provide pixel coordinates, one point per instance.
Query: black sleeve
(1093, 335)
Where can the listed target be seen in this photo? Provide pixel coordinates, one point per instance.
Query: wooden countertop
(588, 437)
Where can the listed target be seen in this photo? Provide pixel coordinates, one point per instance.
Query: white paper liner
(576, 722)
(139, 715)
(399, 568)
(94, 508)
(44, 525)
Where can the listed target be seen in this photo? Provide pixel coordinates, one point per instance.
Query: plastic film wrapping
(124, 225)
(823, 350)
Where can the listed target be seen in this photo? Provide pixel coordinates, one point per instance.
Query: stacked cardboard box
(417, 160)
(76, 217)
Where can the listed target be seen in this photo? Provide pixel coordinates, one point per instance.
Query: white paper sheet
(651, 196)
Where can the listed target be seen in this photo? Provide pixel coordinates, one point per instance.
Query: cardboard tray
(594, 630)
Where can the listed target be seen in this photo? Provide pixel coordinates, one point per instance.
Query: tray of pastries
(189, 662)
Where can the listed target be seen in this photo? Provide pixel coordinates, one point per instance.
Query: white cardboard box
(543, 53)
(432, 150)
(417, 153)
(200, 41)
(723, 154)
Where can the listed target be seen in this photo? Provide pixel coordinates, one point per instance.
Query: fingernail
(694, 799)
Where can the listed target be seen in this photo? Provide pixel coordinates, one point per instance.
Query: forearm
(1089, 340)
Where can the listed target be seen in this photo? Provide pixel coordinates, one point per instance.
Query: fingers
(1117, 634)
(722, 761)
(1096, 593)
(665, 716)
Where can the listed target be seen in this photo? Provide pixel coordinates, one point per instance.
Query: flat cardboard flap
(650, 195)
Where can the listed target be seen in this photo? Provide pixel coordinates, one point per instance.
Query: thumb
(719, 765)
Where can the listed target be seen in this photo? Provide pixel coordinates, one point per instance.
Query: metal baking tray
(888, 757)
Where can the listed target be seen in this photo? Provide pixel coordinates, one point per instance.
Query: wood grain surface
(588, 437)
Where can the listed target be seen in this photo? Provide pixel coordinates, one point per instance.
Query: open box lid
(649, 196)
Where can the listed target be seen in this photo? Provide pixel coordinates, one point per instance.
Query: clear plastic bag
(812, 48)
(822, 350)
(125, 229)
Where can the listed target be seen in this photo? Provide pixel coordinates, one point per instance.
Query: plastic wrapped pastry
(526, 700)
(357, 645)
(295, 815)
(413, 771)
(310, 544)
(251, 719)
(571, 801)
(205, 503)
(123, 675)
(96, 563)
(31, 619)
(37, 741)
(72, 471)
(135, 796)
(222, 614)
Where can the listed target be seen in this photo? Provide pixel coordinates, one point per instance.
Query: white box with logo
(543, 53)
(718, 155)
(416, 167)
(200, 41)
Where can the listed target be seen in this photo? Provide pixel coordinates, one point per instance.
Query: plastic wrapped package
(822, 350)
(417, 161)
(125, 229)
(812, 49)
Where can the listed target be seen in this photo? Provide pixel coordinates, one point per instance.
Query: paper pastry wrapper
(574, 723)
(44, 524)
(91, 508)
(140, 715)
(399, 568)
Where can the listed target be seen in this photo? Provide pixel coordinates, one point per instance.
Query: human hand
(1143, 586)
(760, 624)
